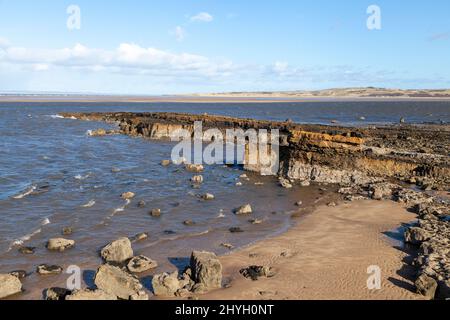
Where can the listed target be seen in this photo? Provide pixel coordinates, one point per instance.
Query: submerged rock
(194, 167)
(9, 285)
(117, 251)
(155, 212)
(60, 244)
(197, 179)
(245, 209)
(114, 281)
(67, 231)
(208, 196)
(189, 223)
(56, 294)
(235, 230)
(45, 269)
(139, 237)
(255, 272)
(141, 204)
(127, 195)
(27, 250)
(166, 163)
(85, 295)
(206, 269)
(140, 264)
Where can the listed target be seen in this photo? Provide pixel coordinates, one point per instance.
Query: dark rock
(56, 294)
(255, 272)
(45, 269)
(27, 250)
(235, 230)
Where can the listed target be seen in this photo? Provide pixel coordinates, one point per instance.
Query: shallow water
(53, 175)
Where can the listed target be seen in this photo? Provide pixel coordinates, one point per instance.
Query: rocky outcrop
(165, 284)
(116, 282)
(9, 285)
(56, 294)
(118, 251)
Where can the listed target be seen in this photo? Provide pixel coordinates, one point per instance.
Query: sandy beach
(326, 256)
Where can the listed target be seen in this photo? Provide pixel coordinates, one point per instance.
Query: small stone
(189, 223)
(332, 204)
(208, 196)
(141, 264)
(67, 231)
(235, 230)
(402, 120)
(27, 250)
(60, 244)
(243, 176)
(166, 163)
(141, 204)
(242, 210)
(155, 212)
(227, 245)
(305, 183)
(127, 195)
(299, 203)
(197, 179)
(139, 237)
(238, 184)
(115, 170)
(285, 183)
(194, 168)
(45, 269)
(117, 251)
(255, 221)
(255, 272)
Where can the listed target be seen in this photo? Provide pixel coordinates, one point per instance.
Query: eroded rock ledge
(416, 154)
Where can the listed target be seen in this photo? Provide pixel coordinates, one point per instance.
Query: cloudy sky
(184, 46)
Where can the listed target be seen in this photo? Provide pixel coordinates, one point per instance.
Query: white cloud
(202, 17)
(4, 43)
(179, 33)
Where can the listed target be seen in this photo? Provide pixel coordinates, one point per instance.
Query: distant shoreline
(200, 99)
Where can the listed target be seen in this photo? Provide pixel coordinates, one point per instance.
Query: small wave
(122, 208)
(56, 116)
(80, 177)
(20, 241)
(25, 193)
(89, 204)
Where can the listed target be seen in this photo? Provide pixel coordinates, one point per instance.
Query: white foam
(80, 177)
(89, 204)
(27, 192)
(56, 116)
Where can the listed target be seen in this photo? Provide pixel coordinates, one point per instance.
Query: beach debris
(27, 250)
(197, 179)
(155, 212)
(117, 251)
(165, 284)
(426, 286)
(67, 231)
(227, 245)
(139, 237)
(255, 221)
(206, 269)
(9, 285)
(19, 274)
(242, 210)
(194, 168)
(141, 204)
(166, 163)
(140, 264)
(285, 183)
(305, 183)
(127, 195)
(45, 269)
(119, 283)
(189, 223)
(56, 294)
(208, 196)
(60, 244)
(235, 230)
(86, 295)
(255, 272)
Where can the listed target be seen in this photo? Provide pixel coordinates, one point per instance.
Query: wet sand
(326, 256)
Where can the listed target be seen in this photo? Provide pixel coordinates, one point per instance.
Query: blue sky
(183, 46)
